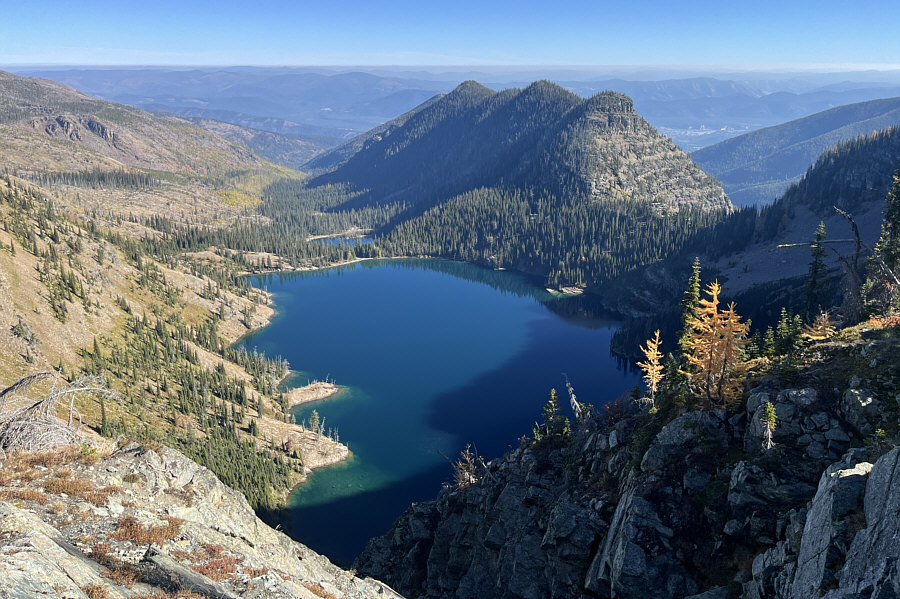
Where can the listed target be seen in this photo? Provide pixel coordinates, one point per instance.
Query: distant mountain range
(48, 125)
(757, 167)
(288, 101)
(333, 105)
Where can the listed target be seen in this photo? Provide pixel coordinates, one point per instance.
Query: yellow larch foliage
(653, 368)
(715, 348)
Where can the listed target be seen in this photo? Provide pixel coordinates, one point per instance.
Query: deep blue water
(434, 355)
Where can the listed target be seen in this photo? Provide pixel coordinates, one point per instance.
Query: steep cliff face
(147, 522)
(685, 506)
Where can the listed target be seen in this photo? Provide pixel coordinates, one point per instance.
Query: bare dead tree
(36, 427)
(577, 408)
(852, 306)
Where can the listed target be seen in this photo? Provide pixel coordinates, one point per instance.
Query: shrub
(218, 569)
(24, 495)
(95, 591)
(129, 529)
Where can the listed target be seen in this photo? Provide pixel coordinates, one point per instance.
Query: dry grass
(255, 572)
(184, 556)
(175, 595)
(79, 487)
(71, 454)
(129, 529)
(213, 551)
(123, 575)
(185, 494)
(24, 495)
(95, 591)
(8, 476)
(102, 552)
(218, 569)
(318, 591)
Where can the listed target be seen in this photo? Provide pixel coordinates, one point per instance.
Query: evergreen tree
(815, 278)
(769, 343)
(105, 429)
(769, 419)
(555, 425)
(689, 302)
(882, 285)
(788, 333)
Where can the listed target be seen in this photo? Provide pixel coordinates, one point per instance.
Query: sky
(758, 34)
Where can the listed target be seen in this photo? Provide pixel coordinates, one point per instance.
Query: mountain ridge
(505, 137)
(49, 119)
(761, 164)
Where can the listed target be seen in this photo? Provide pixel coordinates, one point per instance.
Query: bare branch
(36, 427)
(25, 382)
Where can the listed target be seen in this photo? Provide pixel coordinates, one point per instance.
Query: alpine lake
(432, 355)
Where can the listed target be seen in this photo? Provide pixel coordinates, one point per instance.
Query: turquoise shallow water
(434, 355)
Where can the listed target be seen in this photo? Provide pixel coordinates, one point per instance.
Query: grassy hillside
(287, 150)
(48, 125)
(103, 272)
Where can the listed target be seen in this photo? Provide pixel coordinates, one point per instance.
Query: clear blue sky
(746, 33)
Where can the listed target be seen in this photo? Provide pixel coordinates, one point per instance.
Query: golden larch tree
(715, 348)
(653, 368)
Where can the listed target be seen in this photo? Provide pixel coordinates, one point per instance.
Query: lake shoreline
(312, 392)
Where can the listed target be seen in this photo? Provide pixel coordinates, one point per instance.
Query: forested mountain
(542, 137)
(745, 250)
(538, 179)
(340, 154)
(759, 166)
(45, 124)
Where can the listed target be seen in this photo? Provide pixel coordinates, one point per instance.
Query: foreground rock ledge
(152, 523)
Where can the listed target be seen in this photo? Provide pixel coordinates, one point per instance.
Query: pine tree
(815, 278)
(769, 419)
(555, 425)
(653, 368)
(105, 429)
(689, 302)
(788, 333)
(769, 343)
(882, 287)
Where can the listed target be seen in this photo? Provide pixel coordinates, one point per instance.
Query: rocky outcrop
(148, 520)
(872, 565)
(516, 534)
(693, 506)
